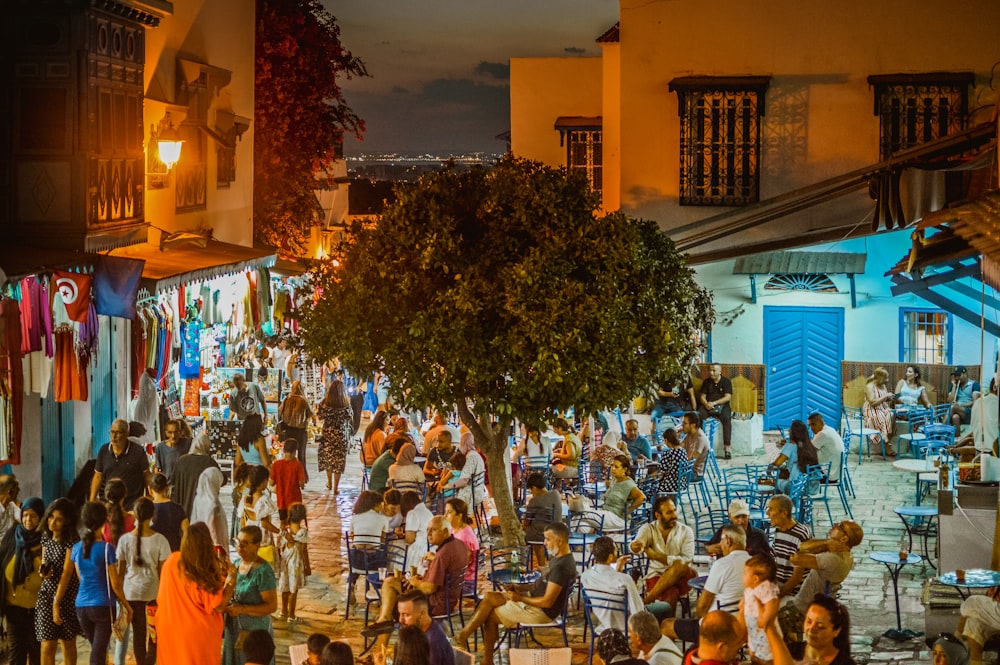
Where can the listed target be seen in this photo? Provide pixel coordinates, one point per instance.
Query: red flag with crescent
(74, 289)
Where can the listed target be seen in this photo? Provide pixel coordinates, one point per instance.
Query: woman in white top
(910, 390)
(471, 481)
(368, 524)
(208, 508)
(533, 444)
(141, 554)
(405, 470)
(415, 520)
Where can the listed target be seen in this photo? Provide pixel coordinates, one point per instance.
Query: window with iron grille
(720, 139)
(583, 153)
(925, 336)
(918, 108)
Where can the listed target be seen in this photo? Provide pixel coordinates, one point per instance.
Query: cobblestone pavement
(867, 591)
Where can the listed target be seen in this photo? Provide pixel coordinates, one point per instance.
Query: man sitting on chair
(669, 545)
(543, 604)
(606, 578)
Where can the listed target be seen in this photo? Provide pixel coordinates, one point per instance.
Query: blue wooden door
(803, 349)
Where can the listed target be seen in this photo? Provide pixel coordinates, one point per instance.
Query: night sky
(439, 72)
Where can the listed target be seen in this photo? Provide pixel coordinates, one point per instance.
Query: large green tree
(504, 292)
(300, 116)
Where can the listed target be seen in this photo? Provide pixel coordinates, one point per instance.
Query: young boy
(288, 477)
(315, 645)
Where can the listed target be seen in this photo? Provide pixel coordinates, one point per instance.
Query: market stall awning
(172, 266)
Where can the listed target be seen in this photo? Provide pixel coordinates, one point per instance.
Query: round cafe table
(916, 467)
(894, 564)
(975, 578)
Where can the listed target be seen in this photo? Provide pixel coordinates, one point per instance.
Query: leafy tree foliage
(502, 292)
(300, 116)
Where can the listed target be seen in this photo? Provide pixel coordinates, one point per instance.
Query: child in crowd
(293, 567)
(140, 553)
(168, 516)
(259, 509)
(119, 522)
(760, 604)
(315, 645)
(288, 477)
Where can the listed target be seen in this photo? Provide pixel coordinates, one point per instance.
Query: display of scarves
(190, 365)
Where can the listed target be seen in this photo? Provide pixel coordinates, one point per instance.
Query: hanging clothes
(70, 375)
(190, 365)
(11, 382)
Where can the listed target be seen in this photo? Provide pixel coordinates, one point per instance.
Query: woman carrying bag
(21, 558)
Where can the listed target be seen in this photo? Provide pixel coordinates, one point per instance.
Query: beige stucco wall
(819, 119)
(541, 90)
(219, 33)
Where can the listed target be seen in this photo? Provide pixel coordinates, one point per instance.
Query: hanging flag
(116, 285)
(74, 288)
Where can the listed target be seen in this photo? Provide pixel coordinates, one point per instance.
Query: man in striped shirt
(788, 535)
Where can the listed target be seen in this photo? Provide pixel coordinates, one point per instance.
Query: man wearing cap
(739, 514)
(962, 394)
(828, 561)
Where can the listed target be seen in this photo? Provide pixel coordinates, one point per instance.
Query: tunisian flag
(75, 289)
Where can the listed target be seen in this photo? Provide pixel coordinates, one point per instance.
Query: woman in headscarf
(614, 647)
(20, 563)
(295, 414)
(405, 470)
(208, 508)
(471, 482)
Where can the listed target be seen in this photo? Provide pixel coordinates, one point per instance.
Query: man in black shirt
(739, 514)
(124, 460)
(716, 392)
(544, 603)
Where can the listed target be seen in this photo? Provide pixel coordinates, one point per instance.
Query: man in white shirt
(651, 645)
(828, 443)
(606, 578)
(723, 588)
(669, 544)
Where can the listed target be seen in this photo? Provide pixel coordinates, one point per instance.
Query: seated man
(982, 434)
(414, 610)
(723, 588)
(534, 521)
(719, 640)
(788, 536)
(980, 621)
(544, 603)
(716, 393)
(439, 458)
(651, 645)
(739, 514)
(451, 559)
(696, 443)
(606, 577)
(669, 545)
(828, 443)
(638, 446)
(828, 560)
(671, 400)
(962, 395)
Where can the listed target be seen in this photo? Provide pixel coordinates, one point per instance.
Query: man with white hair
(652, 646)
(739, 514)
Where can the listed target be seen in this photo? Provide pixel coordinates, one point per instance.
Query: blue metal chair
(453, 586)
(365, 556)
(854, 427)
(817, 487)
(844, 483)
(613, 603)
(916, 420)
(419, 488)
(530, 628)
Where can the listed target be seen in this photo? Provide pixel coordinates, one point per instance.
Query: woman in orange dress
(193, 594)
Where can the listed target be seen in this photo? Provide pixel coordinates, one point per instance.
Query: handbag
(578, 503)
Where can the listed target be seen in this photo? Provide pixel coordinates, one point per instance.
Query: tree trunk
(493, 442)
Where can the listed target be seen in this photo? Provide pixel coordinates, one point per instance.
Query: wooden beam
(910, 285)
(949, 305)
(973, 294)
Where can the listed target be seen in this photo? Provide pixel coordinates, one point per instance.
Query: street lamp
(169, 143)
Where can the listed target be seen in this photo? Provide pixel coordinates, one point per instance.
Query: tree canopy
(503, 291)
(300, 115)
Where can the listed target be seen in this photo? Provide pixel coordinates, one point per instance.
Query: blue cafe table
(894, 564)
(975, 578)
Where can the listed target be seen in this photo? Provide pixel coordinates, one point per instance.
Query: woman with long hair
(58, 537)
(193, 592)
(338, 428)
(456, 512)
(95, 564)
(255, 596)
(251, 446)
(796, 455)
(622, 495)
(295, 415)
(412, 647)
(20, 565)
(910, 390)
(141, 554)
(671, 457)
(878, 409)
(827, 629)
(373, 442)
(119, 521)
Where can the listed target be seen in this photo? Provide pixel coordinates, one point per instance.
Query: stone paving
(867, 591)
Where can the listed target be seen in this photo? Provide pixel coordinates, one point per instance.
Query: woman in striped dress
(878, 409)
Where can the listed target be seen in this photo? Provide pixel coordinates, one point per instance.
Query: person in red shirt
(288, 477)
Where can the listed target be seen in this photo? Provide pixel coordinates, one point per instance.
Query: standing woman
(191, 599)
(254, 597)
(251, 446)
(566, 454)
(58, 537)
(338, 428)
(94, 563)
(295, 413)
(878, 409)
(20, 563)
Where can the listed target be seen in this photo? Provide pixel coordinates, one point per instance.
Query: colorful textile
(74, 289)
(190, 365)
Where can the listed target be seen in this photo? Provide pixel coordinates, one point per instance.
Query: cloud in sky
(497, 70)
